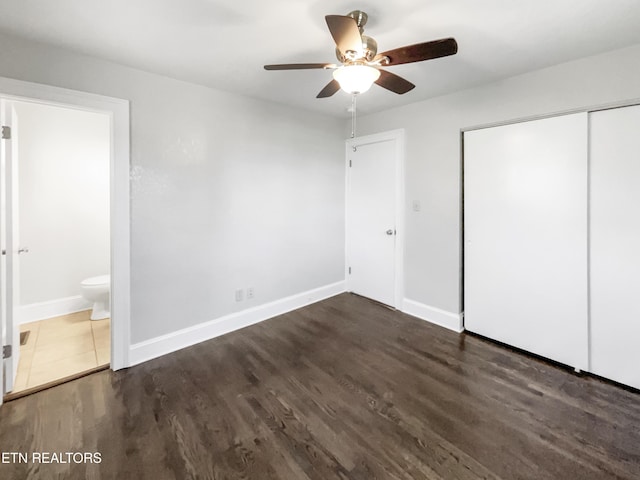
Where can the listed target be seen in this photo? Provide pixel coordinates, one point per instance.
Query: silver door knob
(23, 250)
(389, 232)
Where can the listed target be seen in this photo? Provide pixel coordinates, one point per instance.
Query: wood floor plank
(341, 389)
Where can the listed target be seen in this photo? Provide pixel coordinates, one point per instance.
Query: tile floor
(62, 346)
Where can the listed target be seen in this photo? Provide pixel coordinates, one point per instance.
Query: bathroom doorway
(61, 185)
(64, 210)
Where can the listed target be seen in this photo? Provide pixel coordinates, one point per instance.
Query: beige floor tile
(54, 333)
(104, 356)
(105, 322)
(64, 321)
(24, 367)
(102, 342)
(20, 383)
(101, 325)
(102, 339)
(55, 370)
(62, 348)
(101, 333)
(80, 316)
(26, 359)
(33, 328)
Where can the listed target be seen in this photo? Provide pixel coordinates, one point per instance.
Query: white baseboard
(156, 347)
(452, 321)
(53, 308)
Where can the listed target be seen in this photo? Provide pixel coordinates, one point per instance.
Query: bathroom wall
(63, 165)
(227, 192)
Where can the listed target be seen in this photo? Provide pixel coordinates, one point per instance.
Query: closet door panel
(615, 244)
(525, 229)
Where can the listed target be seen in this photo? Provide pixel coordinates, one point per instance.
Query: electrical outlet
(249, 293)
(239, 295)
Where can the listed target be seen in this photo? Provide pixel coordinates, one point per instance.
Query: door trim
(118, 111)
(398, 137)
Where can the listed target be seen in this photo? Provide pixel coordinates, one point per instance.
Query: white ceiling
(224, 43)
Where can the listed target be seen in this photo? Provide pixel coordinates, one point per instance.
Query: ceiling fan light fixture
(355, 79)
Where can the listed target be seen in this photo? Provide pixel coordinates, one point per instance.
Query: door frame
(8, 190)
(398, 137)
(118, 111)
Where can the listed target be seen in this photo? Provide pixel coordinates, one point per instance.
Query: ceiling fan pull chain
(353, 115)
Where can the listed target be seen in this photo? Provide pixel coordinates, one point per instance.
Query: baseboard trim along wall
(156, 347)
(53, 308)
(452, 321)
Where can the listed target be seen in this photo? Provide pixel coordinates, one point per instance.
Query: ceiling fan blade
(346, 34)
(331, 88)
(393, 82)
(419, 52)
(299, 66)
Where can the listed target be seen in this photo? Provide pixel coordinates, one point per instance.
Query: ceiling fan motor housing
(369, 45)
(369, 51)
(360, 17)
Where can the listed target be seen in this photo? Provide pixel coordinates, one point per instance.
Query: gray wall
(433, 153)
(230, 192)
(227, 192)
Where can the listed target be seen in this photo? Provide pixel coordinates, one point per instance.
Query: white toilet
(96, 291)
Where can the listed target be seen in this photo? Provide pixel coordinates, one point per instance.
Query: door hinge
(349, 270)
(350, 164)
(6, 133)
(7, 351)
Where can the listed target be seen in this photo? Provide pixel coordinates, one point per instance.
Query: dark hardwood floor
(342, 389)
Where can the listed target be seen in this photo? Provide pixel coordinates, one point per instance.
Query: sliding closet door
(615, 244)
(525, 229)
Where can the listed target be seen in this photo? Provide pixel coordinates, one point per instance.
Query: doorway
(60, 210)
(374, 216)
(109, 340)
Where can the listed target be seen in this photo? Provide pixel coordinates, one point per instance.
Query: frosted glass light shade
(356, 78)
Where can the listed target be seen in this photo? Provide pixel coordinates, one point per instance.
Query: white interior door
(525, 229)
(8, 223)
(615, 244)
(371, 220)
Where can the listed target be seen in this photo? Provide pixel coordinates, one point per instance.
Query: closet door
(615, 244)
(525, 230)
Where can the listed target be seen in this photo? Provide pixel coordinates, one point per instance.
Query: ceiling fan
(361, 62)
